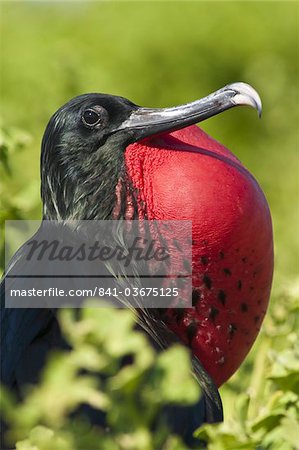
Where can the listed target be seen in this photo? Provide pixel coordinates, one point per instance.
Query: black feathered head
(82, 157)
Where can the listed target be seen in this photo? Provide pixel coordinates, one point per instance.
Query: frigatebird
(103, 157)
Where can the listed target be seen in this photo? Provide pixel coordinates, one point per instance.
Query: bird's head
(82, 157)
(82, 161)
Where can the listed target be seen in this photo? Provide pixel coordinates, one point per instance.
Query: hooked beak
(145, 122)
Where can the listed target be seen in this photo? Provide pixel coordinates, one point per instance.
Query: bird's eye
(91, 117)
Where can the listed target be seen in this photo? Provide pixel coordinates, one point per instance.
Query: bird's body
(105, 158)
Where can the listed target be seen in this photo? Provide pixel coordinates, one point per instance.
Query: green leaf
(176, 383)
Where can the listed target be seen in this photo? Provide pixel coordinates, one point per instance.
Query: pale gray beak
(144, 122)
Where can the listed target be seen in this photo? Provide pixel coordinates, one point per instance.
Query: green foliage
(266, 417)
(12, 207)
(12, 141)
(132, 396)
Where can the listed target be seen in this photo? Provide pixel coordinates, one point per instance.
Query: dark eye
(91, 117)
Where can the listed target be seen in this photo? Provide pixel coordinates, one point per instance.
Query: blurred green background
(163, 54)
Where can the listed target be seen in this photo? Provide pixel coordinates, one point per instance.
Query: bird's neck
(90, 191)
(96, 187)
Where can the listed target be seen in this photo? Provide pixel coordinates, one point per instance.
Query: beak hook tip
(246, 95)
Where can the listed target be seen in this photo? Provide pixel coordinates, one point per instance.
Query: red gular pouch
(187, 175)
